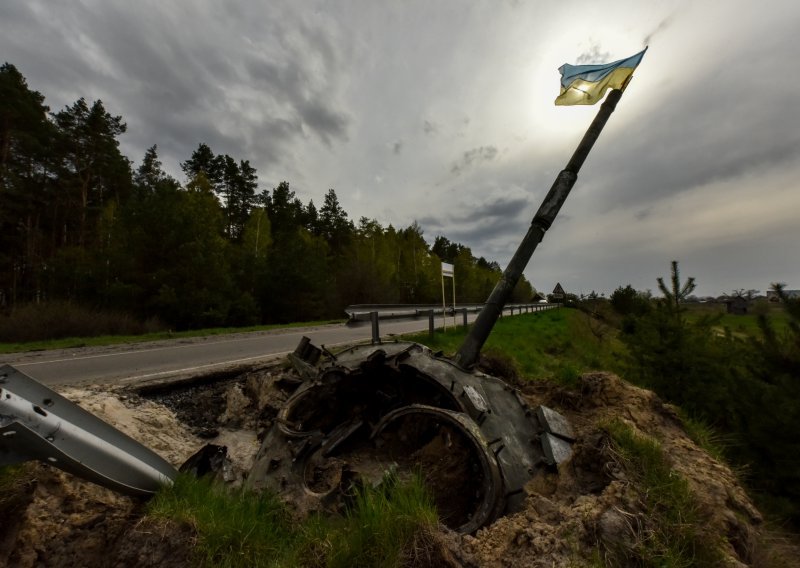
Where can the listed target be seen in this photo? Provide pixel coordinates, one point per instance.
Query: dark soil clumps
(198, 406)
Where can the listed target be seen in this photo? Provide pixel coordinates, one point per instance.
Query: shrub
(58, 320)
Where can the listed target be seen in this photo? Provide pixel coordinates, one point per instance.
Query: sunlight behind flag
(587, 84)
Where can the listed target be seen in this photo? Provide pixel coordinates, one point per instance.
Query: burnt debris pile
(398, 409)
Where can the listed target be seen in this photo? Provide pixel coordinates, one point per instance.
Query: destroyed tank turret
(400, 409)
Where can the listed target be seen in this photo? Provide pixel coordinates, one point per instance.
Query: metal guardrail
(39, 424)
(375, 312)
(362, 312)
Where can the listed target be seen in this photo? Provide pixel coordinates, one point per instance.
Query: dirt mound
(591, 506)
(572, 518)
(69, 522)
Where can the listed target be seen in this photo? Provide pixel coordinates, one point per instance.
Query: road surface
(139, 362)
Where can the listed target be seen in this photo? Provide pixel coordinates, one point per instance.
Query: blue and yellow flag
(587, 84)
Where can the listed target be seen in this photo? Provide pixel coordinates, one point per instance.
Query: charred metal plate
(476, 405)
(556, 450)
(555, 423)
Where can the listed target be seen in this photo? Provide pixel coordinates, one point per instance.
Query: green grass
(13, 482)
(98, 341)
(673, 533)
(556, 344)
(10, 477)
(741, 326)
(233, 528)
(704, 436)
(389, 526)
(386, 526)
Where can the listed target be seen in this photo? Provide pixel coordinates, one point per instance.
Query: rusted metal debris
(399, 408)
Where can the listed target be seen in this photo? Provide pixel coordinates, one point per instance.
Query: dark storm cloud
(289, 83)
(478, 221)
(327, 123)
(473, 157)
(502, 209)
(179, 79)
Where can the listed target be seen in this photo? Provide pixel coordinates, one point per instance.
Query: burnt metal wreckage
(356, 416)
(400, 408)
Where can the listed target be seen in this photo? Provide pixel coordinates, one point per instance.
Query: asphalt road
(139, 362)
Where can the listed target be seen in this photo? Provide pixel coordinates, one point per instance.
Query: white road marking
(189, 369)
(136, 351)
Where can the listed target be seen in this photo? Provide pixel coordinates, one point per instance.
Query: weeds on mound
(386, 526)
(672, 534)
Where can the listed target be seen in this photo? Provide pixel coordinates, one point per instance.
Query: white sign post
(447, 270)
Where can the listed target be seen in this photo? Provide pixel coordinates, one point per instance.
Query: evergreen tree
(25, 180)
(333, 224)
(149, 174)
(285, 211)
(203, 161)
(312, 218)
(92, 170)
(677, 293)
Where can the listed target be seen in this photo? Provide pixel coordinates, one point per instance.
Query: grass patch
(554, 344)
(740, 325)
(387, 526)
(10, 476)
(234, 528)
(704, 436)
(15, 482)
(673, 534)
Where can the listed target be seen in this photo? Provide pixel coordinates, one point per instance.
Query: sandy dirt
(570, 518)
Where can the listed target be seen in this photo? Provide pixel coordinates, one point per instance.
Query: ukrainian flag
(587, 84)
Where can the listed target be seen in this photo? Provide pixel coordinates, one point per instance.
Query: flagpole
(468, 352)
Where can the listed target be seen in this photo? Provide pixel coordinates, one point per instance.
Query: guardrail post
(464, 312)
(376, 336)
(430, 323)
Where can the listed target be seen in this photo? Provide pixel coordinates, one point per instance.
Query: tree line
(80, 223)
(747, 387)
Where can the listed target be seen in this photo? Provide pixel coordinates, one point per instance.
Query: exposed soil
(445, 459)
(588, 508)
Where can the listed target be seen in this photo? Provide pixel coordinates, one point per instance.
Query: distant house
(537, 297)
(772, 295)
(737, 305)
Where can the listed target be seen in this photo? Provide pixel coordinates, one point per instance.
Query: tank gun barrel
(468, 353)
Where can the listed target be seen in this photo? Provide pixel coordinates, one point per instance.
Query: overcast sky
(442, 112)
